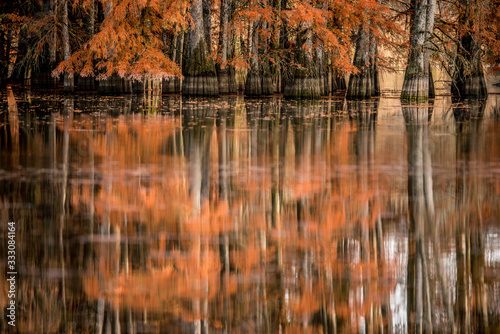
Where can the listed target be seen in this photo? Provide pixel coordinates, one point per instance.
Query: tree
(129, 42)
(468, 77)
(200, 76)
(225, 70)
(262, 16)
(303, 80)
(418, 84)
(364, 82)
(69, 81)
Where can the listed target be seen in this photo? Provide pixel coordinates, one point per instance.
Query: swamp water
(237, 215)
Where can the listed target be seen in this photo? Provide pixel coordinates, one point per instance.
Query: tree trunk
(304, 82)
(253, 84)
(468, 79)
(174, 85)
(225, 72)
(361, 85)
(373, 66)
(200, 77)
(416, 83)
(69, 84)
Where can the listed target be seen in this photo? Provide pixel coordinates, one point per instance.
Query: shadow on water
(228, 216)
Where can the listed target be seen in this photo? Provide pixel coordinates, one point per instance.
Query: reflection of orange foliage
(269, 213)
(308, 302)
(212, 220)
(246, 259)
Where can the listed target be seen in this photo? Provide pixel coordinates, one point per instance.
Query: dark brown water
(250, 216)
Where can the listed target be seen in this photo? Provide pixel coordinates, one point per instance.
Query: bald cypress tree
(418, 83)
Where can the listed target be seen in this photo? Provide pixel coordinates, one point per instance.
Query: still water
(241, 215)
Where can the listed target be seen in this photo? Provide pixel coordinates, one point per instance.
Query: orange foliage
(129, 42)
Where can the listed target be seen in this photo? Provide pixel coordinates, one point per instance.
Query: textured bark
(322, 73)
(259, 79)
(207, 23)
(69, 84)
(468, 79)
(416, 83)
(275, 44)
(53, 45)
(304, 83)
(373, 66)
(200, 77)
(253, 83)
(225, 72)
(267, 82)
(364, 84)
(174, 85)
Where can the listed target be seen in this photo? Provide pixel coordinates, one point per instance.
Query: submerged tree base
(115, 85)
(203, 85)
(338, 82)
(253, 84)
(470, 87)
(360, 87)
(268, 87)
(227, 82)
(257, 85)
(172, 86)
(416, 88)
(308, 88)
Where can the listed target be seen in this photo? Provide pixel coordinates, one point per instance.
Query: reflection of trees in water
(425, 263)
(154, 213)
(368, 229)
(471, 306)
(421, 212)
(219, 216)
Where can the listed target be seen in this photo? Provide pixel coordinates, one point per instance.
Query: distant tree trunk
(361, 85)
(225, 72)
(417, 76)
(322, 73)
(338, 81)
(253, 84)
(373, 66)
(200, 77)
(173, 85)
(267, 83)
(91, 23)
(4, 56)
(53, 10)
(304, 82)
(69, 84)
(275, 43)
(468, 79)
(89, 83)
(207, 23)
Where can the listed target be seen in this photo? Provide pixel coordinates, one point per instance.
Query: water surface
(237, 215)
